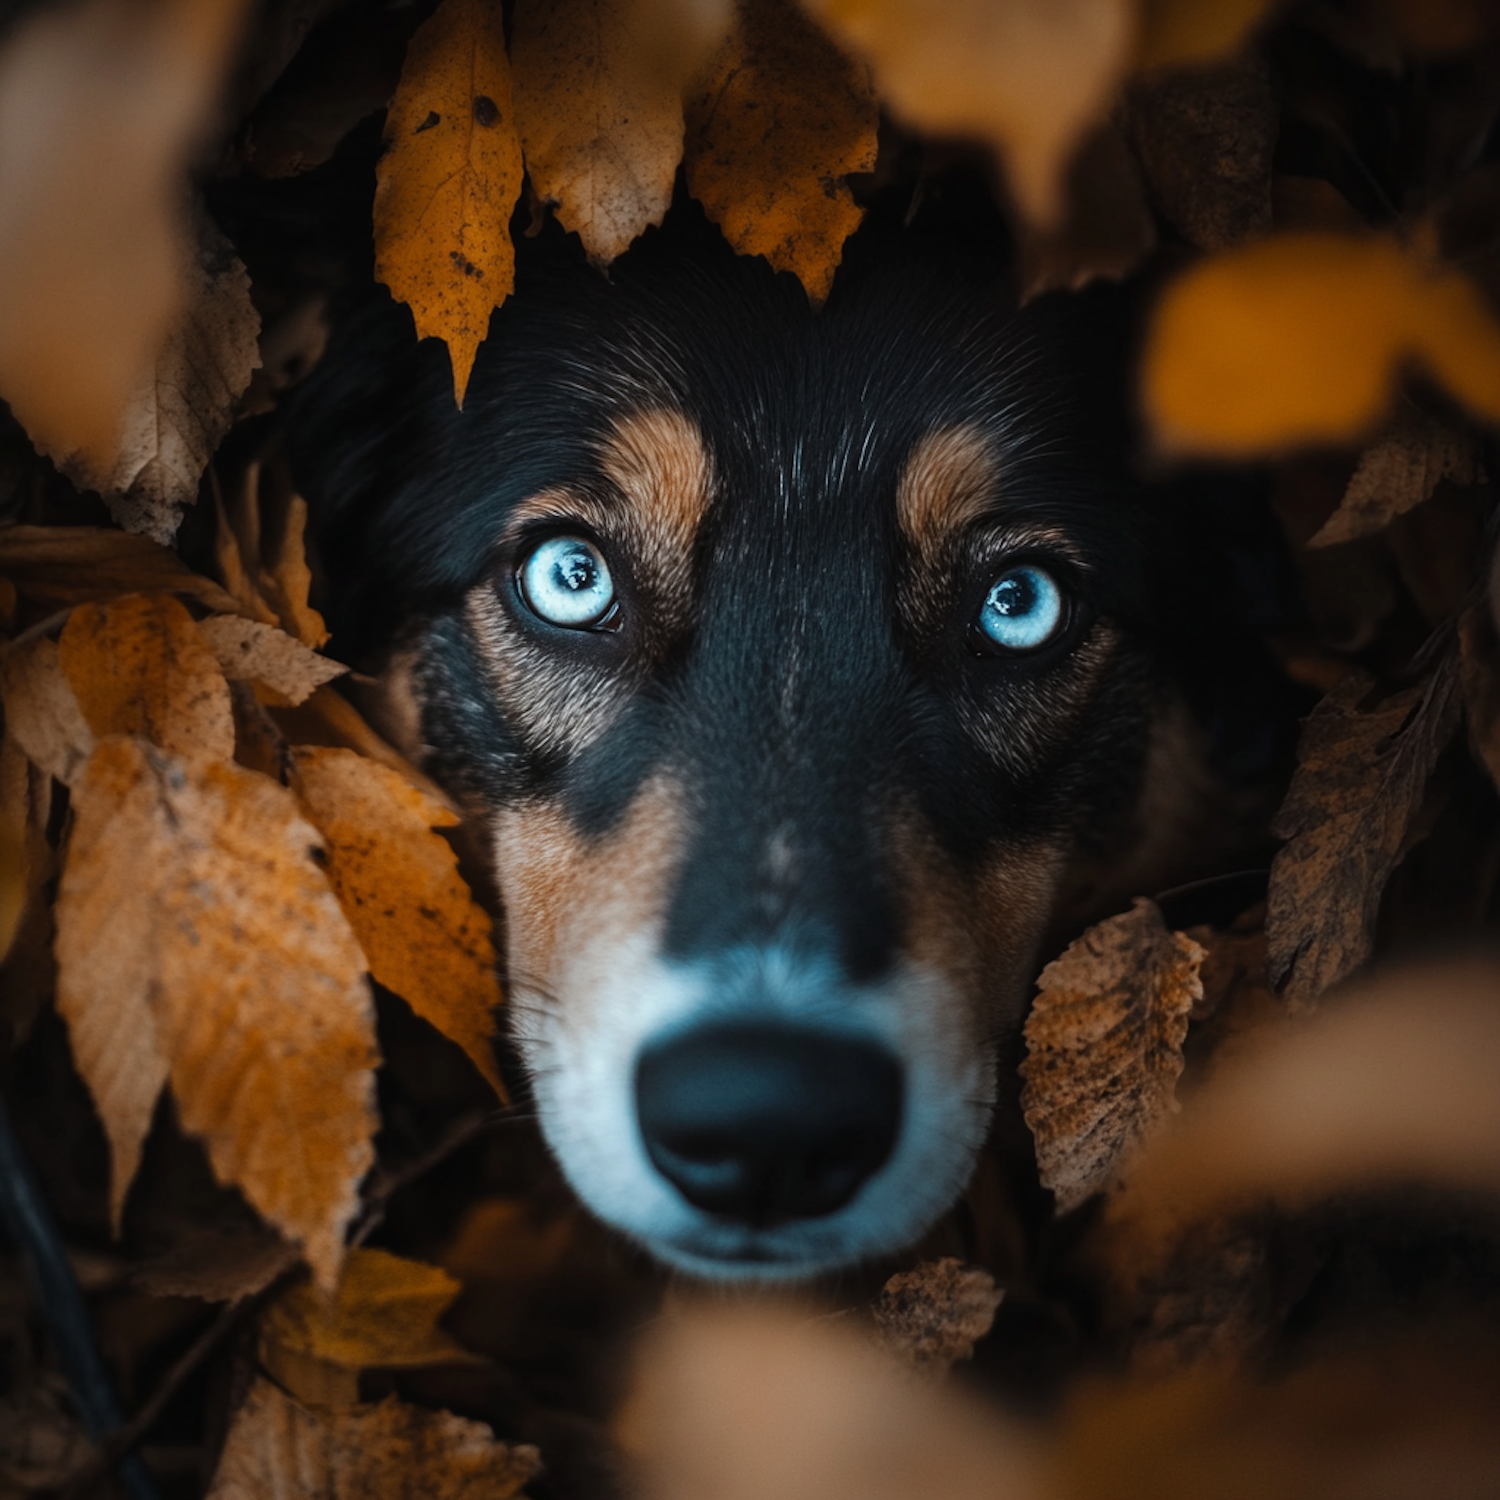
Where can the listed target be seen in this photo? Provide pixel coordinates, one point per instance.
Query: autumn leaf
(278, 1447)
(15, 808)
(101, 105)
(449, 180)
(140, 666)
(1027, 76)
(41, 711)
(216, 1264)
(1300, 338)
(1397, 472)
(774, 128)
(1194, 31)
(183, 406)
(1104, 1048)
(248, 651)
(383, 1316)
(932, 1316)
(198, 937)
(59, 566)
(1360, 782)
(398, 882)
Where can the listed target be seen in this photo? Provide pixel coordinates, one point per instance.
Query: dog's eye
(1023, 610)
(566, 581)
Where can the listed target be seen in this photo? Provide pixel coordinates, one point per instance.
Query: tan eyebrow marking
(949, 481)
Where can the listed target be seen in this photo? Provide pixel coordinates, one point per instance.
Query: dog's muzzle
(759, 1124)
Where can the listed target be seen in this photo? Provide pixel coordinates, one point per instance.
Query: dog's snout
(765, 1123)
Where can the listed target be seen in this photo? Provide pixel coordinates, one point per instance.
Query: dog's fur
(786, 786)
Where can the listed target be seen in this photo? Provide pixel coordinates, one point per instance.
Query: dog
(791, 665)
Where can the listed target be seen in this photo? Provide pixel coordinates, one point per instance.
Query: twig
(60, 1303)
(124, 1440)
(386, 1183)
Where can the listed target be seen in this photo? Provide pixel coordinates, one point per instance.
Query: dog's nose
(764, 1123)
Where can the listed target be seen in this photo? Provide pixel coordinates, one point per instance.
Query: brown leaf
(1205, 138)
(601, 126)
(28, 973)
(217, 1265)
(1028, 76)
(1360, 782)
(1104, 1048)
(248, 651)
(1299, 338)
(15, 871)
(932, 1316)
(1194, 31)
(449, 179)
(139, 666)
(774, 127)
(277, 1447)
(41, 709)
(180, 410)
(1397, 472)
(196, 933)
(384, 1316)
(1479, 674)
(59, 566)
(101, 104)
(398, 881)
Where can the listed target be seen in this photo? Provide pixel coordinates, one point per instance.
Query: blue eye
(1024, 609)
(566, 581)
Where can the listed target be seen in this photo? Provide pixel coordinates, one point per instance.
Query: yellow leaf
(449, 179)
(196, 935)
(383, 1316)
(600, 121)
(248, 651)
(773, 129)
(398, 881)
(139, 666)
(59, 566)
(41, 711)
(1027, 76)
(1104, 1047)
(101, 104)
(1300, 338)
(278, 1447)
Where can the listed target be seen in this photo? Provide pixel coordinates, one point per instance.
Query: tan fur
(949, 482)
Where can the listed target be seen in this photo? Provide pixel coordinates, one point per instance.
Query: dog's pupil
(1015, 595)
(574, 572)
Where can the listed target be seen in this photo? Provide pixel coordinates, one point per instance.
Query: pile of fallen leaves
(273, 1227)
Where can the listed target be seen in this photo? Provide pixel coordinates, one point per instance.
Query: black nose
(763, 1123)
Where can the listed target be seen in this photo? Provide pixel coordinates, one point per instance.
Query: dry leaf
(449, 180)
(398, 881)
(1205, 138)
(101, 104)
(1479, 674)
(248, 651)
(774, 128)
(1397, 472)
(139, 666)
(196, 932)
(384, 1316)
(1104, 1048)
(15, 810)
(41, 710)
(933, 1315)
(291, 577)
(217, 1265)
(59, 566)
(28, 972)
(180, 409)
(1360, 782)
(1028, 76)
(1299, 339)
(392, 1451)
(1194, 31)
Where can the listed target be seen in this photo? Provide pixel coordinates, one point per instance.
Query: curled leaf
(1104, 1047)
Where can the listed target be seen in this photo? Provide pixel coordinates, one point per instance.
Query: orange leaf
(139, 666)
(776, 125)
(600, 119)
(278, 1447)
(398, 881)
(196, 935)
(448, 181)
(1028, 76)
(1300, 338)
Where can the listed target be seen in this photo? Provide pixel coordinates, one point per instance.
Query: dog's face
(783, 661)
